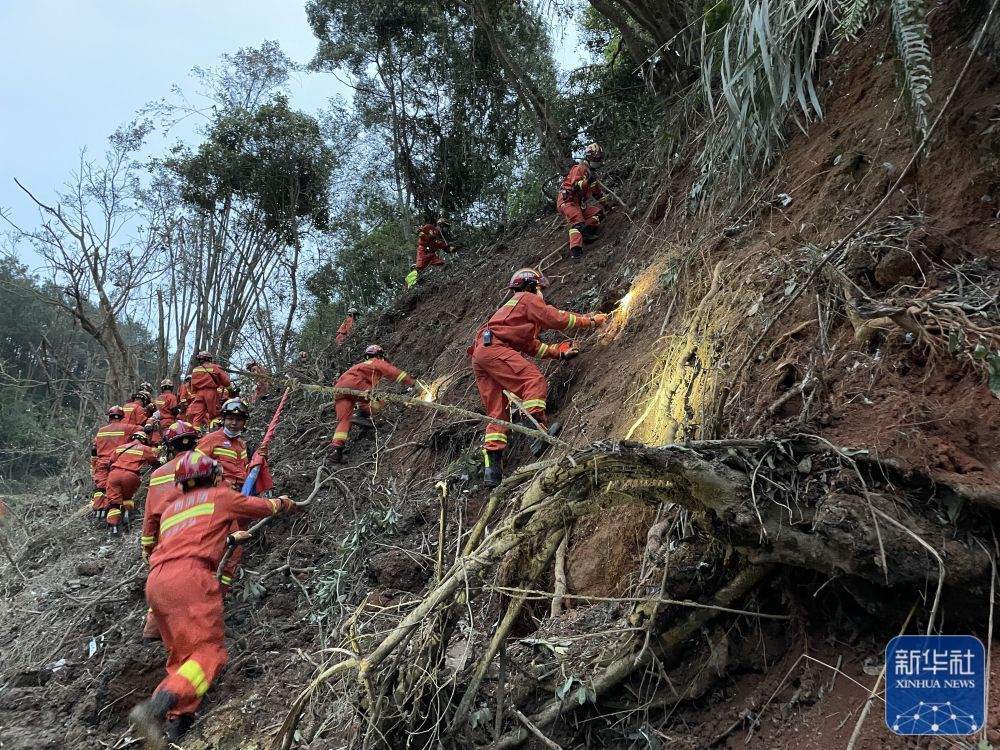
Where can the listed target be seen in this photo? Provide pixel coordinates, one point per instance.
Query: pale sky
(71, 71)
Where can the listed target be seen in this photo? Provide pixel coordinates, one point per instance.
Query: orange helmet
(178, 431)
(116, 412)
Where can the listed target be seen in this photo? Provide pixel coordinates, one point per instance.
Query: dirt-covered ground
(692, 292)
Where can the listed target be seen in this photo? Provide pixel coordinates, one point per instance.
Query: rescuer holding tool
(184, 594)
(178, 440)
(499, 364)
(363, 376)
(112, 435)
(209, 382)
(124, 478)
(578, 187)
(345, 328)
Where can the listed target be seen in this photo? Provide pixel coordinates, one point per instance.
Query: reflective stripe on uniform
(225, 580)
(114, 513)
(534, 403)
(496, 437)
(111, 434)
(574, 231)
(572, 321)
(165, 479)
(193, 673)
(340, 435)
(542, 349)
(147, 540)
(225, 452)
(510, 303)
(134, 451)
(204, 509)
(401, 377)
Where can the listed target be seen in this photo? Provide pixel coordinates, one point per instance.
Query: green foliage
(909, 26)
(274, 158)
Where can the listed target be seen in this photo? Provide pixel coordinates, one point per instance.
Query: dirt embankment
(692, 294)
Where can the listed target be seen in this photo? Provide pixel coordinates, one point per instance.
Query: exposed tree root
(797, 502)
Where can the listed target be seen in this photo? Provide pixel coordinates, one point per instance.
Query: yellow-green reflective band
(165, 479)
(225, 580)
(225, 452)
(147, 540)
(134, 452)
(511, 302)
(98, 493)
(572, 321)
(574, 231)
(401, 377)
(111, 434)
(340, 435)
(534, 403)
(497, 437)
(542, 349)
(205, 509)
(114, 513)
(193, 673)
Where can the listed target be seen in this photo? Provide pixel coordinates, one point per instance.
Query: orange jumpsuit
(123, 480)
(501, 365)
(345, 330)
(362, 377)
(165, 403)
(110, 436)
(231, 453)
(135, 413)
(206, 380)
(163, 490)
(184, 398)
(259, 374)
(576, 189)
(182, 590)
(429, 241)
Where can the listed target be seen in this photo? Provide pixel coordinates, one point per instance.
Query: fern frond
(909, 26)
(852, 15)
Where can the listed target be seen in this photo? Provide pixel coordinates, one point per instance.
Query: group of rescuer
(195, 507)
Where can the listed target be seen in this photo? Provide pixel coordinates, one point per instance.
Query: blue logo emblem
(935, 684)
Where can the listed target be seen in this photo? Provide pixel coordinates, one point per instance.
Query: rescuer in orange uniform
(430, 239)
(499, 364)
(167, 404)
(259, 375)
(363, 376)
(185, 396)
(124, 477)
(345, 328)
(178, 439)
(183, 593)
(226, 445)
(112, 435)
(209, 382)
(577, 188)
(137, 410)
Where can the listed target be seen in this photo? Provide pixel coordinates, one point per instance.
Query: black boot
(148, 718)
(539, 446)
(576, 253)
(359, 419)
(492, 468)
(590, 234)
(177, 728)
(337, 454)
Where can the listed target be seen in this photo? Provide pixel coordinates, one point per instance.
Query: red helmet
(594, 153)
(116, 412)
(528, 277)
(203, 354)
(374, 351)
(193, 466)
(178, 431)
